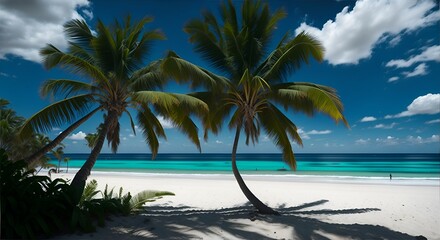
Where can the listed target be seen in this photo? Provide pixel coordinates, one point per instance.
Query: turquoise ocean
(421, 166)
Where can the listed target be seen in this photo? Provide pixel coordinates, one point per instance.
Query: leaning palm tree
(255, 81)
(113, 60)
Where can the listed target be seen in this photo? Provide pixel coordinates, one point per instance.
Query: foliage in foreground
(35, 206)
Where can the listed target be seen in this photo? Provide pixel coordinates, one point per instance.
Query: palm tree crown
(113, 59)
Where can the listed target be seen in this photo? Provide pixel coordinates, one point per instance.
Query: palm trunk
(260, 206)
(79, 181)
(36, 156)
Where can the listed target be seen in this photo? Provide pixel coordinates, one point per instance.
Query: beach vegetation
(120, 83)
(256, 92)
(16, 147)
(34, 206)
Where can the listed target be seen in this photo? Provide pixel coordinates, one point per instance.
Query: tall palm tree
(255, 82)
(66, 160)
(113, 60)
(58, 153)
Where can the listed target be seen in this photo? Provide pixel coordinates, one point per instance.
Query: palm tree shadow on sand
(183, 222)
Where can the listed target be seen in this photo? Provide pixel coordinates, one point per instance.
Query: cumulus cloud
(27, 26)
(166, 123)
(303, 134)
(383, 126)
(427, 104)
(362, 141)
(388, 140)
(352, 35)
(433, 121)
(393, 79)
(316, 132)
(429, 54)
(306, 135)
(218, 142)
(420, 70)
(420, 140)
(368, 119)
(77, 136)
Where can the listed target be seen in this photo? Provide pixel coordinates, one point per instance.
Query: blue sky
(382, 56)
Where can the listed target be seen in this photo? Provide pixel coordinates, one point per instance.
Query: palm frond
(182, 70)
(53, 57)
(78, 33)
(151, 128)
(63, 87)
(163, 100)
(57, 114)
(289, 57)
(138, 200)
(277, 127)
(208, 41)
(148, 78)
(89, 191)
(308, 98)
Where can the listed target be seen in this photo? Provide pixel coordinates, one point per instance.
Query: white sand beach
(213, 207)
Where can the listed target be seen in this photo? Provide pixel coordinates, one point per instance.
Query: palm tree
(66, 160)
(112, 58)
(255, 83)
(58, 153)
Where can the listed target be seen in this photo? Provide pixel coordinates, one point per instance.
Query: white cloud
(131, 135)
(88, 14)
(368, 119)
(27, 26)
(305, 135)
(383, 126)
(433, 121)
(77, 136)
(388, 141)
(427, 104)
(316, 132)
(167, 124)
(218, 142)
(420, 140)
(394, 41)
(392, 79)
(429, 54)
(420, 70)
(362, 141)
(352, 35)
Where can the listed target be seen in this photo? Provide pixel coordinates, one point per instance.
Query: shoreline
(396, 180)
(213, 207)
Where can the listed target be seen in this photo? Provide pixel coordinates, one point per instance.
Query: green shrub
(31, 205)
(35, 206)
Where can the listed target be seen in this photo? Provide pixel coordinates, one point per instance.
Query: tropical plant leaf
(138, 200)
(57, 114)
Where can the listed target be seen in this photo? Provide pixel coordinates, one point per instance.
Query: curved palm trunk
(36, 156)
(79, 181)
(261, 207)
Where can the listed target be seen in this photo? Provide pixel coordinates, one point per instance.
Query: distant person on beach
(391, 176)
